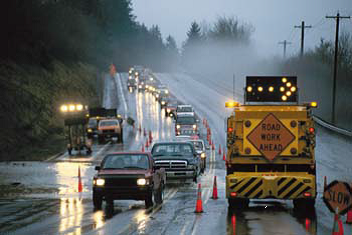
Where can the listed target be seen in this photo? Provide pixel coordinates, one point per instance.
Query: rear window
(126, 161)
(184, 109)
(186, 120)
(109, 123)
(172, 149)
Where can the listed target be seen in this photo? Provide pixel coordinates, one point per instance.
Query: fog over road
(42, 197)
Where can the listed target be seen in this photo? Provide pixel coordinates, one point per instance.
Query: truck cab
(109, 128)
(270, 144)
(128, 176)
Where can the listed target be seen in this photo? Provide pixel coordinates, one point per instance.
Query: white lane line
(101, 150)
(118, 77)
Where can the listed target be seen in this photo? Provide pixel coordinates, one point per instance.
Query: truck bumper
(263, 185)
(180, 174)
(123, 193)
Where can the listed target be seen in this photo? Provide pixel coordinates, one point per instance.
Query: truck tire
(303, 204)
(238, 203)
(101, 139)
(149, 200)
(160, 194)
(195, 178)
(97, 201)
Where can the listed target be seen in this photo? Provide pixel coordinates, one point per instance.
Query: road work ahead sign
(270, 137)
(338, 195)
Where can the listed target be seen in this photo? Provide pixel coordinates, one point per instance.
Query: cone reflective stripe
(199, 207)
(215, 189)
(219, 149)
(80, 186)
(223, 155)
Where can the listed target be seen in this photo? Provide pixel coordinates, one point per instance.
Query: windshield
(184, 109)
(198, 145)
(126, 161)
(172, 149)
(186, 120)
(92, 122)
(109, 123)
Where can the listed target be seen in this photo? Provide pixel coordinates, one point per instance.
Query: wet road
(42, 197)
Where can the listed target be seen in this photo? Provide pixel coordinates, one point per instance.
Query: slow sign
(270, 137)
(338, 195)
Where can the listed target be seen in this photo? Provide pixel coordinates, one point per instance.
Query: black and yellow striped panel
(249, 187)
(290, 188)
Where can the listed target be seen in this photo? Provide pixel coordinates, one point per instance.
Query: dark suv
(128, 176)
(179, 159)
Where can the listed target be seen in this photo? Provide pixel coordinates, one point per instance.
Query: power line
(302, 27)
(285, 43)
(337, 17)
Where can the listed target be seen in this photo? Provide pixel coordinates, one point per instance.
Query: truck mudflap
(256, 185)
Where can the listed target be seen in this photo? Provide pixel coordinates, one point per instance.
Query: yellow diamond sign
(270, 137)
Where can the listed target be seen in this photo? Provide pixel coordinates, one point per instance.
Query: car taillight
(311, 130)
(230, 129)
(233, 194)
(307, 194)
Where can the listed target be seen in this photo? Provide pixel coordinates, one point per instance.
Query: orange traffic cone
(224, 156)
(219, 149)
(80, 186)
(215, 189)
(150, 141)
(210, 141)
(199, 207)
(233, 222)
(307, 223)
(147, 144)
(337, 228)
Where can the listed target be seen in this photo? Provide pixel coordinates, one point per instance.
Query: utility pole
(285, 43)
(302, 27)
(337, 17)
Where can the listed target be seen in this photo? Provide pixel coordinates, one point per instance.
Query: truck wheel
(149, 200)
(304, 204)
(97, 201)
(160, 194)
(238, 203)
(101, 139)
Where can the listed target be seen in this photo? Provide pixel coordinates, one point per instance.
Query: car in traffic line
(171, 108)
(128, 176)
(109, 128)
(179, 159)
(201, 152)
(186, 124)
(184, 108)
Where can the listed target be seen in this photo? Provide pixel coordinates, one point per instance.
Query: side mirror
(197, 120)
(207, 147)
(97, 168)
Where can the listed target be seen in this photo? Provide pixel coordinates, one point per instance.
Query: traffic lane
(67, 172)
(185, 88)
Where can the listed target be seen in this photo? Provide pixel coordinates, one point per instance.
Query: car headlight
(141, 182)
(100, 182)
(140, 86)
(178, 126)
(194, 127)
(202, 155)
(168, 110)
(166, 92)
(147, 86)
(90, 130)
(157, 95)
(162, 102)
(191, 165)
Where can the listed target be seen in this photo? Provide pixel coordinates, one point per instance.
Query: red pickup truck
(128, 176)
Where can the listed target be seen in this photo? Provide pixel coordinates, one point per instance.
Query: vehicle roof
(197, 140)
(185, 114)
(185, 105)
(171, 142)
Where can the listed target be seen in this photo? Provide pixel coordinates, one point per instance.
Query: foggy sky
(273, 20)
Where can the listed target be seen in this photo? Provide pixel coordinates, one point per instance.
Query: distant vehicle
(95, 115)
(201, 152)
(162, 91)
(92, 127)
(75, 120)
(164, 100)
(179, 159)
(109, 128)
(186, 124)
(131, 82)
(128, 176)
(171, 108)
(184, 108)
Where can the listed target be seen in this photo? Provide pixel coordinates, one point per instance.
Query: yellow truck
(270, 145)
